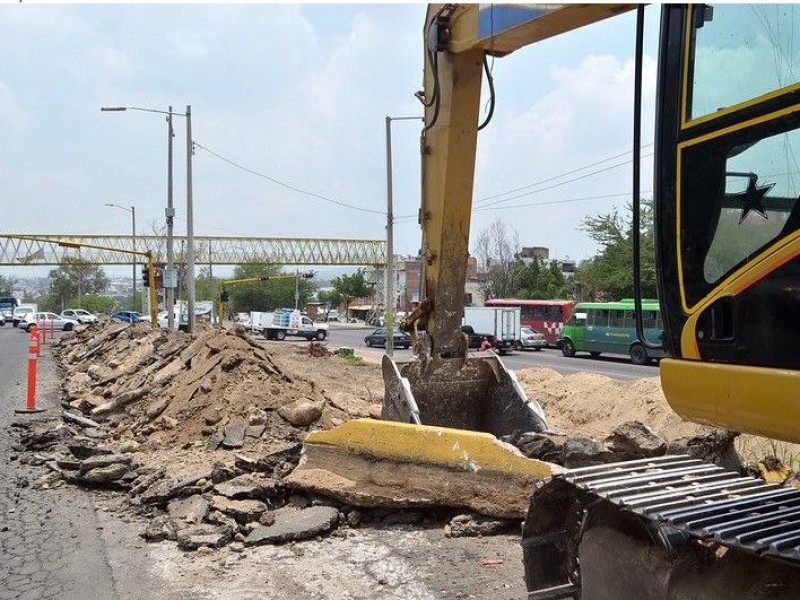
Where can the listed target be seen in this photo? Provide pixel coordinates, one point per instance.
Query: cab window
(740, 52)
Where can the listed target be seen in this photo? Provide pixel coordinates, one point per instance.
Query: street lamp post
(169, 276)
(131, 210)
(390, 300)
(169, 279)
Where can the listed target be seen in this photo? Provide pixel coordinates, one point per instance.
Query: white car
(78, 314)
(20, 313)
(530, 338)
(47, 320)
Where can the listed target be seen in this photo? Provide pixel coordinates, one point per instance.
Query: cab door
(727, 209)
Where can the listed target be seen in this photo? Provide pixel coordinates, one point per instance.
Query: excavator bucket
(437, 445)
(476, 393)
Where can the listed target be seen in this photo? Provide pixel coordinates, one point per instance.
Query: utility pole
(133, 224)
(169, 276)
(189, 224)
(296, 288)
(390, 300)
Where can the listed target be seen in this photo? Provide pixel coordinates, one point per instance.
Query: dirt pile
(197, 431)
(592, 405)
(162, 393)
(595, 419)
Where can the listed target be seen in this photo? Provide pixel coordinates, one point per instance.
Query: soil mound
(592, 405)
(174, 391)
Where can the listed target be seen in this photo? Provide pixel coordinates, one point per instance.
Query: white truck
(287, 322)
(503, 323)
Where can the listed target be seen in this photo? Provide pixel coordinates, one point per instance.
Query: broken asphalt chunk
(292, 524)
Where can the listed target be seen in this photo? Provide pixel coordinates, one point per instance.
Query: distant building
(530, 253)
(407, 274)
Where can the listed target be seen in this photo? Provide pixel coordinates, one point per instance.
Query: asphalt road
(54, 543)
(618, 367)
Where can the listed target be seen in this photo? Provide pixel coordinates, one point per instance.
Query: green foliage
(94, 303)
(609, 274)
(352, 286)
(332, 296)
(74, 277)
(354, 360)
(266, 295)
(538, 281)
(205, 286)
(7, 285)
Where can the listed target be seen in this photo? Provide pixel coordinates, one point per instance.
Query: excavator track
(675, 499)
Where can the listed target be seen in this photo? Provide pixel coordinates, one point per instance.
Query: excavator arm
(458, 38)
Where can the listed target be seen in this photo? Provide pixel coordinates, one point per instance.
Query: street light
(131, 210)
(390, 299)
(169, 275)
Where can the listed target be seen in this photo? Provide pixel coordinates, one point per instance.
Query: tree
(95, 303)
(205, 286)
(538, 281)
(497, 248)
(331, 297)
(352, 286)
(266, 295)
(7, 285)
(609, 274)
(73, 278)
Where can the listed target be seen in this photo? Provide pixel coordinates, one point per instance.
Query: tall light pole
(131, 210)
(189, 223)
(390, 299)
(170, 279)
(169, 275)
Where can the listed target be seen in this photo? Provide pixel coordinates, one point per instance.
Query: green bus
(597, 327)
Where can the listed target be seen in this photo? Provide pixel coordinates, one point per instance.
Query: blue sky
(298, 92)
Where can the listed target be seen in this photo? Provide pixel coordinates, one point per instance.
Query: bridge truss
(208, 250)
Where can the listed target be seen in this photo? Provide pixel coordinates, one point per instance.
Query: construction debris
(372, 464)
(202, 435)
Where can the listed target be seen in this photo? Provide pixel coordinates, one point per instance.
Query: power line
(565, 201)
(559, 184)
(407, 218)
(560, 175)
(286, 185)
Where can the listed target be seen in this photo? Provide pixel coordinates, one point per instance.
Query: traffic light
(146, 276)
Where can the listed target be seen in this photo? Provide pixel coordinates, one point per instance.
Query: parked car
(20, 313)
(126, 316)
(47, 320)
(378, 338)
(530, 338)
(475, 339)
(80, 315)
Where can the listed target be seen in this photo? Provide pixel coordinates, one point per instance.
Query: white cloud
(586, 115)
(12, 115)
(191, 44)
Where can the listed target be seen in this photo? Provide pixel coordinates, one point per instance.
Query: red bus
(546, 316)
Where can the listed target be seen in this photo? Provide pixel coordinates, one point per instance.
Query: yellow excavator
(727, 221)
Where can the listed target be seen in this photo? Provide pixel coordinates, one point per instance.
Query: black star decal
(753, 198)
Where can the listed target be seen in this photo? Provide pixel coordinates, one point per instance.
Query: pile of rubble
(630, 440)
(201, 433)
(197, 432)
